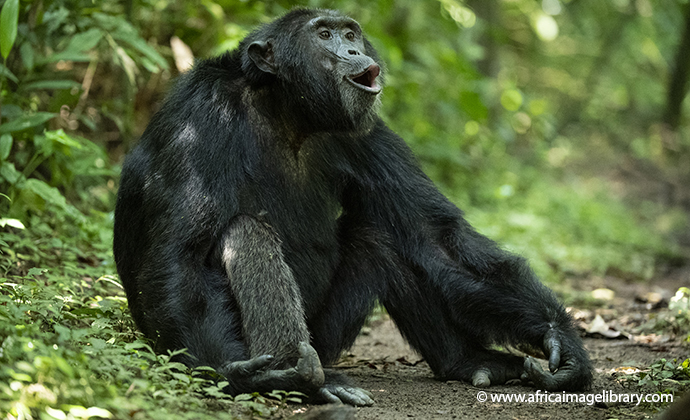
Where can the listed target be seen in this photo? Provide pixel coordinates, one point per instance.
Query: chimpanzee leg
(454, 350)
(360, 278)
(488, 296)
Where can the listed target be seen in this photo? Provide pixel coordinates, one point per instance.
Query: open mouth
(366, 80)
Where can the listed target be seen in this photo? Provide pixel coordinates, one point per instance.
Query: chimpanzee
(267, 208)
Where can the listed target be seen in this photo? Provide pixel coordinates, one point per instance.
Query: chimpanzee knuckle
(237, 369)
(532, 366)
(312, 376)
(307, 351)
(243, 371)
(541, 379)
(309, 366)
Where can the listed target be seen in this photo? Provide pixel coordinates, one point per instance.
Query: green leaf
(10, 111)
(98, 343)
(26, 121)
(140, 45)
(5, 146)
(49, 194)
(180, 377)
(12, 223)
(127, 63)
(7, 73)
(35, 271)
(28, 56)
(9, 17)
(65, 56)
(8, 172)
(138, 345)
(85, 41)
(64, 366)
(4, 71)
(51, 84)
(59, 136)
(20, 376)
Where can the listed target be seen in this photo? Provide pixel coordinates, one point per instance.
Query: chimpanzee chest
(305, 219)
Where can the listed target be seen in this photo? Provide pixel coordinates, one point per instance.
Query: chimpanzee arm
(267, 295)
(491, 293)
(521, 309)
(273, 322)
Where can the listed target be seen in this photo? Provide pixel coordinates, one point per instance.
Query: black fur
(267, 205)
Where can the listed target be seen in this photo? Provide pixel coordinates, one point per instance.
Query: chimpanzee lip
(366, 80)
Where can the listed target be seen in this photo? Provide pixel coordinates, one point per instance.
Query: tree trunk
(678, 86)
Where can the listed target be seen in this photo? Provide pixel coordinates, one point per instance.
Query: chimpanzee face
(342, 42)
(323, 63)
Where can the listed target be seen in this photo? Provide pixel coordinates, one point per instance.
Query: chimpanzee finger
(249, 367)
(541, 379)
(309, 365)
(552, 347)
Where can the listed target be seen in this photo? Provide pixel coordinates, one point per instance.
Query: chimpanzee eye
(325, 34)
(350, 36)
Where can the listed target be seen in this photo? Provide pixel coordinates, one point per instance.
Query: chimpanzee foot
(497, 370)
(334, 393)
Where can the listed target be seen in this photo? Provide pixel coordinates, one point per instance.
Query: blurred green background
(556, 125)
(559, 126)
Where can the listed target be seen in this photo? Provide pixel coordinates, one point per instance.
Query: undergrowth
(69, 348)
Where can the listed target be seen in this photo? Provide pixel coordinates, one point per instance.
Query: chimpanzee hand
(569, 365)
(570, 368)
(307, 376)
(252, 374)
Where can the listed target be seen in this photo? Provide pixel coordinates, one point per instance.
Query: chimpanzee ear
(261, 53)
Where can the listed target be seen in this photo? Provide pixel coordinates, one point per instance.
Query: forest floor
(404, 387)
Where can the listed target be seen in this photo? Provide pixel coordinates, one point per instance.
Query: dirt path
(403, 388)
(403, 385)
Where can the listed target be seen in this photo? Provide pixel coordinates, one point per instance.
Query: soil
(403, 385)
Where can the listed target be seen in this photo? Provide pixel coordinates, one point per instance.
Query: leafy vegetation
(70, 350)
(546, 121)
(675, 320)
(663, 377)
(663, 374)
